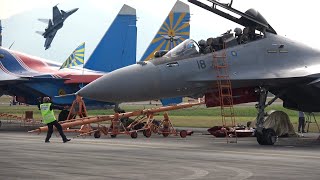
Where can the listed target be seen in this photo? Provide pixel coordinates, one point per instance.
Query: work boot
(66, 140)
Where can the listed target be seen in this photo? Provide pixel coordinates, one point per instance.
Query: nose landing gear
(264, 136)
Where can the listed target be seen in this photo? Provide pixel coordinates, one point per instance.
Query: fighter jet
(258, 60)
(55, 24)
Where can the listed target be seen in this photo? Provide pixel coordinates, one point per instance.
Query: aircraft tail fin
(117, 48)
(76, 58)
(173, 31)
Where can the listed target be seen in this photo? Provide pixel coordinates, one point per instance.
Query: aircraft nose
(124, 85)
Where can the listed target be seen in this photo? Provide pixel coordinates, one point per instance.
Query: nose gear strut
(264, 136)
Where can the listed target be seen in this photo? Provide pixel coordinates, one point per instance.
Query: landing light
(1, 56)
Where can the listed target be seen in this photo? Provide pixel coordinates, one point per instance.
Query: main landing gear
(264, 136)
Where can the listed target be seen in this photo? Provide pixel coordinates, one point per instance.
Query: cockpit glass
(186, 48)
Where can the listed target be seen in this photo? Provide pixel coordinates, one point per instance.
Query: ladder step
(225, 85)
(226, 76)
(227, 105)
(219, 56)
(220, 66)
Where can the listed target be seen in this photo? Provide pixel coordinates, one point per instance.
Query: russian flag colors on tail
(174, 30)
(76, 58)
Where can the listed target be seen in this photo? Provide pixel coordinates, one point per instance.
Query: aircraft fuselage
(273, 61)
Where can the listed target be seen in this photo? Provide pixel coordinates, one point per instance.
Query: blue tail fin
(174, 30)
(118, 46)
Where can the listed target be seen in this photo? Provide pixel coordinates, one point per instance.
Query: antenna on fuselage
(11, 44)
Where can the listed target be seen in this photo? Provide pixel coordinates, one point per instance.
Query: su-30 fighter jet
(54, 24)
(257, 60)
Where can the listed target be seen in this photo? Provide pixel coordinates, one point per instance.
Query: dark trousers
(59, 128)
(301, 124)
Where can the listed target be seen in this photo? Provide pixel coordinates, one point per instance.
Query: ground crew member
(48, 118)
(301, 123)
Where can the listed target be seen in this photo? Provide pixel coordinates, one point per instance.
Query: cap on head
(46, 99)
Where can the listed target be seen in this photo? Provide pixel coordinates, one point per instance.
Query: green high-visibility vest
(47, 114)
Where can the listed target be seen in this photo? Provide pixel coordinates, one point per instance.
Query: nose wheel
(267, 137)
(264, 136)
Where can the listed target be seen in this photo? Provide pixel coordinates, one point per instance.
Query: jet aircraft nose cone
(127, 84)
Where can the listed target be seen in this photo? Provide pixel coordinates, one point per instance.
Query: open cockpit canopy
(187, 48)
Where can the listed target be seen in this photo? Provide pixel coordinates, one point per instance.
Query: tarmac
(26, 156)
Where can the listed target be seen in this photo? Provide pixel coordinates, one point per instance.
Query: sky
(19, 18)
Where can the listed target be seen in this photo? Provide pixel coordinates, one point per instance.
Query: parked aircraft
(259, 61)
(29, 77)
(54, 24)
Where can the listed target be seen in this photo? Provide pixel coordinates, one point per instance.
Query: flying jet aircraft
(54, 24)
(259, 61)
(28, 77)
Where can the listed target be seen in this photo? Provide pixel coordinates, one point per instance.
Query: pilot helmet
(237, 31)
(46, 99)
(202, 43)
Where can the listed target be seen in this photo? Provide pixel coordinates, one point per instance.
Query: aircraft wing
(56, 14)
(49, 39)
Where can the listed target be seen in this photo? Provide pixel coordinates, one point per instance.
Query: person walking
(49, 119)
(301, 123)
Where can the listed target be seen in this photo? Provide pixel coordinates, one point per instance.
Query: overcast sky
(19, 18)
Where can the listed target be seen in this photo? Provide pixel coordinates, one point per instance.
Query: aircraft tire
(260, 138)
(97, 134)
(269, 136)
(113, 135)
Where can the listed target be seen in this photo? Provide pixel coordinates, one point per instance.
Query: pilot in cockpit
(190, 48)
(238, 33)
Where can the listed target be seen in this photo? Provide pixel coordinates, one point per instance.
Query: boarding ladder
(220, 64)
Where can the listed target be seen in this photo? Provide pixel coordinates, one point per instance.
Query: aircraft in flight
(258, 61)
(28, 77)
(54, 24)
